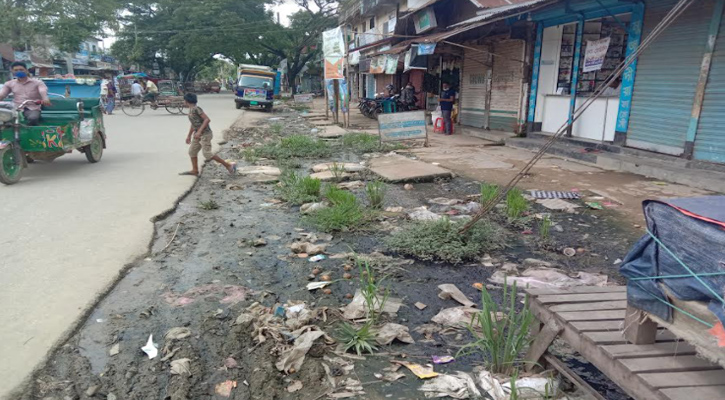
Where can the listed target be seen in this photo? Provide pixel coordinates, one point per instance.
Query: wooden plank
(597, 305)
(581, 298)
(638, 328)
(668, 364)
(591, 316)
(577, 289)
(573, 377)
(648, 350)
(541, 343)
(695, 393)
(590, 326)
(684, 379)
(602, 338)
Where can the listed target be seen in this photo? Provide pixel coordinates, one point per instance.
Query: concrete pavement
(69, 227)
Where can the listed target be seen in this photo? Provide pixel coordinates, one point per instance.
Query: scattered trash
(445, 201)
(231, 363)
(391, 331)
(260, 242)
(543, 194)
(594, 205)
(394, 209)
(177, 333)
(111, 396)
(92, 390)
(558, 228)
(527, 232)
(569, 252)
(558, 205)
(318, 257)
(295, 386)
(478, 285)
(232, 294)
(115, 349)
(292, 359)
(456, 317)
(617, 261)
(443, 359)
(532, 387)
(548, 278)
(358, 309)
(308, 248)
(459, 386)
(420, 306)
(181, 366)
(233, 186)
(423, 214)
(450, 291)
(408, 186)
(317, 285)
(492, 386)
(422, 372)
(309, 208)
(224, 389)
(150, 349)
(351, 185)
(390, 376)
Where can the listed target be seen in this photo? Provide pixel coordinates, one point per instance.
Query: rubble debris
(357, 308)
(346, 167)
(224, 389)
(569, 252)
(450, 291)
(420, 306)
(295, 386)
(558, 205)
(92, 390)
(421, 371)
(408, 186)
(548, 278)
(259, 170)
(390, 376)
(293, 358)
(233, 294)
(308, 248)
(532, 387)
(391, 331)
(394, 209)
(177, 333)
(443, 201)
(443, 359)
(260, 242)
(533, 262)
(352, 185)
(115, 349)
(459, 386)
(318, 258)
(456, 317)
(491, 386)
(309, 208)
(181, 366)
(150, 348)
(423, 214)
(317, 285)
(231, 363)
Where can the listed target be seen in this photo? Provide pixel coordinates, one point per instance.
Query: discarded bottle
(317, 258)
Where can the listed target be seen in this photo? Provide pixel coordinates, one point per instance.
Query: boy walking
(199, 138)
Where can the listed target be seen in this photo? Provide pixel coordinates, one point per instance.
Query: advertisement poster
(330, 87)
(344, 96)
(333, 48)
(595, 54)
(391, 64)
(426, 49)
(333, 67)
(377, 65)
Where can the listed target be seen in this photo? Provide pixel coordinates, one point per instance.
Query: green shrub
(501, 333)
(295, 146)
(441, 241)
(296, 189)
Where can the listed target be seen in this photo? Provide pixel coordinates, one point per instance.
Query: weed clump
(441, 241)
(500, 333)
(296, 189)
(295, 146)
(488, 193)
(344, 213)
(362, 339)
(209, 205)
(375, 192)
(363, 143)
(516, 204)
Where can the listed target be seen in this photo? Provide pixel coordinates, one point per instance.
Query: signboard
(333, 67)
(377, 65)
(595, 54)
(303, 98)
(354, 58)
(22, 56)
(402, 126)
(391, 64)
(255, 94)
(333, 43)
(426, 49)
(425, 20)
(413, 60)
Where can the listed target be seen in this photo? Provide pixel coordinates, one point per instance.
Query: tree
(299, 43)
(66, 22)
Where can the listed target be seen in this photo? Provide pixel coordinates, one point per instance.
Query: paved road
(69, 227)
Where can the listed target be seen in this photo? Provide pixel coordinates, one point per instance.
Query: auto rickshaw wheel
(94, 151)
(11, 168)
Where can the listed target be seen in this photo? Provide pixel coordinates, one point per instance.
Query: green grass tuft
(516, 204)
(344, 213)
(295, 146)
(488, 193)
(362, 143)
(441, 241)
(296, 189)
(375, 192)
(209, 205)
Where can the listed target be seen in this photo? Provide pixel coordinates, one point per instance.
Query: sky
(287, 8)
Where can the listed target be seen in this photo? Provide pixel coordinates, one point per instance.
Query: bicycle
(136, 106)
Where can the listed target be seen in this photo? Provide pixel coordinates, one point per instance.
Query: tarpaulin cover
(693, 229)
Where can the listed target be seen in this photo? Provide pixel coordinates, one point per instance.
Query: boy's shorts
(202, 144)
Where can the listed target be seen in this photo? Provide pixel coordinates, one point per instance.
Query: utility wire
(676, 11)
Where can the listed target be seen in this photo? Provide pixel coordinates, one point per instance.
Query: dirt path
(220, 274)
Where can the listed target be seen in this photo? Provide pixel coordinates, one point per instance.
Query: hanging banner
(406, 60)
(333, 44)
(354, 58)
(425, 20)
(344, 96)
(391, 64)
(333, 67)
(413, 60)
(330, 86)
(377, 65)
(595, 54)
(426, 49)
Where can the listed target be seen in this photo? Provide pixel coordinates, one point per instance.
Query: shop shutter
(710, 140)
(507, 78)
(473, 88)
(667, 73)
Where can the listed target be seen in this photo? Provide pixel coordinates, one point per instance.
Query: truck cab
(255, 87)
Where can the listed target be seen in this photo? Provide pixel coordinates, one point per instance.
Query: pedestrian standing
(447, 98)
(199, 138)
(111, 97)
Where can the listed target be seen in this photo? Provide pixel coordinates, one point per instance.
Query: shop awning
(423, 4)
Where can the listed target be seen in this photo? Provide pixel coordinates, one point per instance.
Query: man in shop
(447, 98)
(23, 89)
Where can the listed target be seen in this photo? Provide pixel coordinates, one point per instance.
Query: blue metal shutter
(710, 140)
(667, 73)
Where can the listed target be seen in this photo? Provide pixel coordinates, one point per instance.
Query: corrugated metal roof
(503, 10)
(496, 3)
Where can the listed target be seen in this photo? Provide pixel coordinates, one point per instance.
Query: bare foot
(192, 173)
